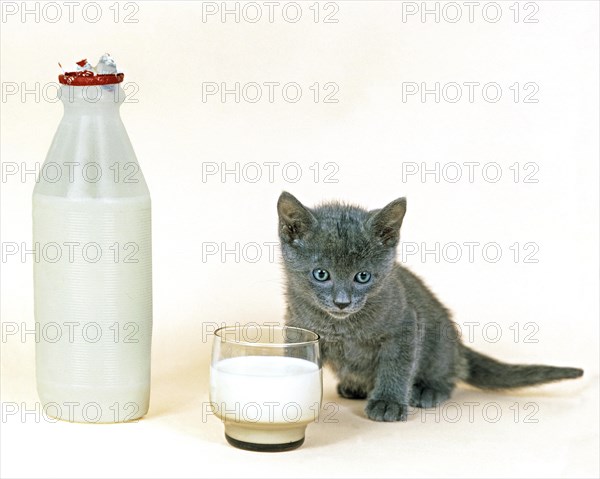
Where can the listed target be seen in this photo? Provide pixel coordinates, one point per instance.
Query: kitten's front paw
(350, 392)
(385, 410)
(426, 397)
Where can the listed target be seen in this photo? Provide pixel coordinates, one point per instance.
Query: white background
(371, 134)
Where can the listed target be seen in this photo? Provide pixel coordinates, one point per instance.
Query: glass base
(252, 446)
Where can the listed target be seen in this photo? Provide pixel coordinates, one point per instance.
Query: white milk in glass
(93, 268)
(266, 399)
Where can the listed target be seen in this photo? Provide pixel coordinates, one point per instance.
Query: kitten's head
(337, 255)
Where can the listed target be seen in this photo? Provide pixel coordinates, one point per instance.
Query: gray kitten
(383, 332)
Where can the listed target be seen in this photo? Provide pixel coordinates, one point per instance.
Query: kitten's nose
(342, 304)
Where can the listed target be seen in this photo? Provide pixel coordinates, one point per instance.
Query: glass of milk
(265, 385)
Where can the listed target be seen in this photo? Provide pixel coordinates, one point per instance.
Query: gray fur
(390, 341)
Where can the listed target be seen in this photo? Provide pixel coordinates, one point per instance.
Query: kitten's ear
(295, 220)
(385, 223)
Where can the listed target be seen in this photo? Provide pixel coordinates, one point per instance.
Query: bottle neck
(93, 99)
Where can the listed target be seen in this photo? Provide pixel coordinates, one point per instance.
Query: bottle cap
(84, 74)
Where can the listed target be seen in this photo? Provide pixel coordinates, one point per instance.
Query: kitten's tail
(487, 373)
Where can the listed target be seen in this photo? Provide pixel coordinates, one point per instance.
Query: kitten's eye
(321, 274)
(362, 277)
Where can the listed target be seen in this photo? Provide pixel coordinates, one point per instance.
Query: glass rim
(218, 333)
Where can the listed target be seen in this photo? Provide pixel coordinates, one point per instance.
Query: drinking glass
(265, 385)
